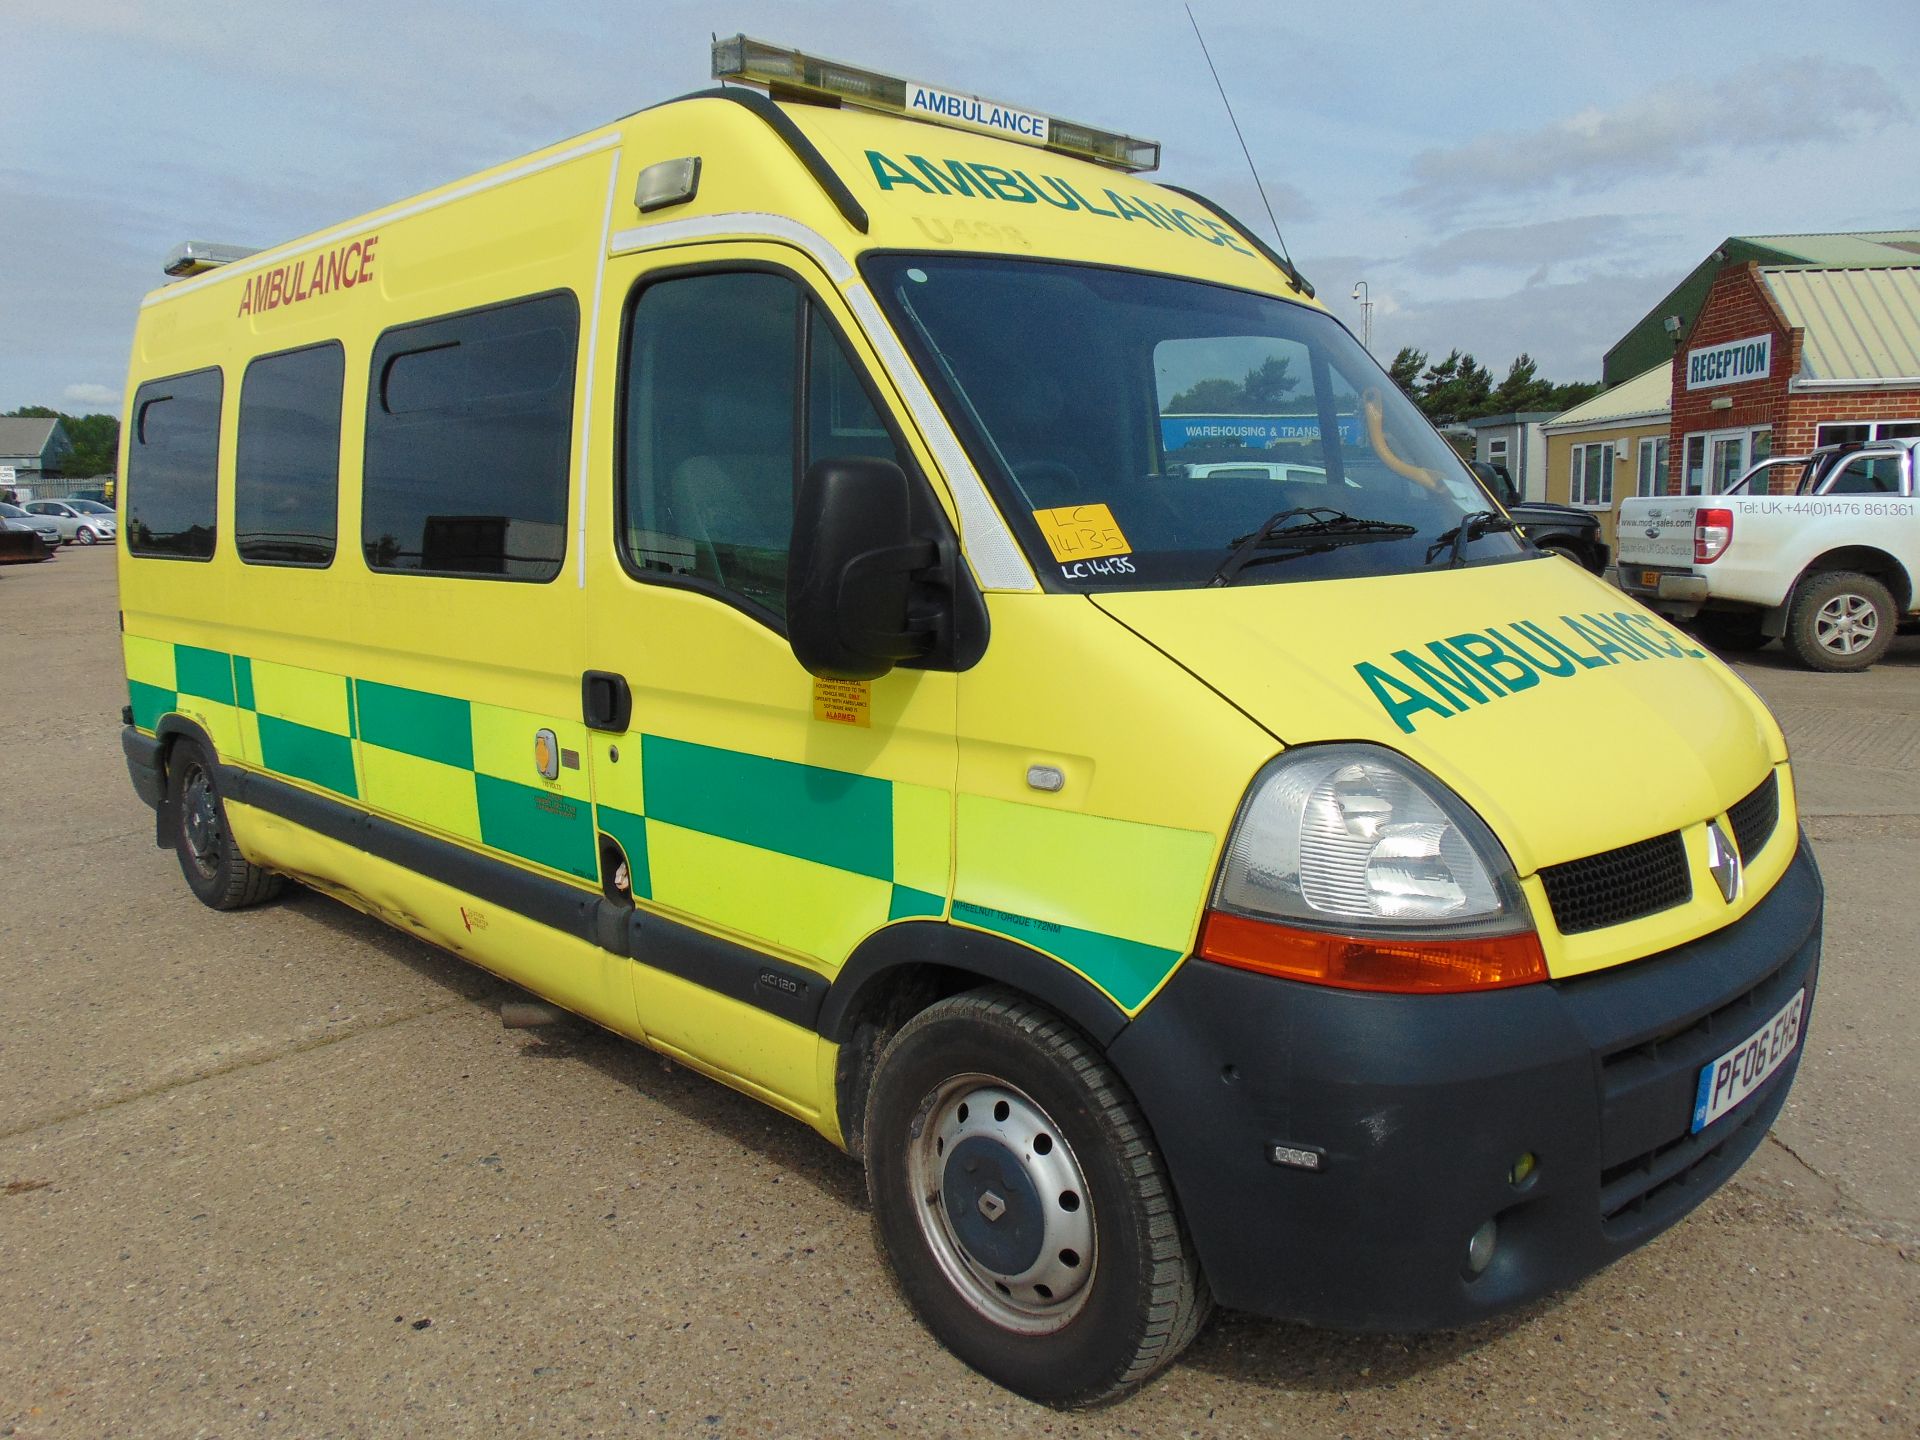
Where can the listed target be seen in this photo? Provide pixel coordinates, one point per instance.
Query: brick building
(1782, 358)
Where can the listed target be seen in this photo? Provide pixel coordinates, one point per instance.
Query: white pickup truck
(1828, 569)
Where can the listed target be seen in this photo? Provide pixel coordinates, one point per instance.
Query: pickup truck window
(1868, 475)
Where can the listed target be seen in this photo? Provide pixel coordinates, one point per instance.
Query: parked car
(1828, 568)
(1258, 470)
(1564, 529)
(40, 525)
(20, 547)
(84, 522)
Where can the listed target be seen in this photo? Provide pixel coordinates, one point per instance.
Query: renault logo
(1723, 861)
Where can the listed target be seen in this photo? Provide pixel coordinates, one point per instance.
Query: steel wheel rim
(200, 820)
(980, 1116)
(1846, 624)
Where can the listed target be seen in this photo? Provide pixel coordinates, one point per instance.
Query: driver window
(718, 431)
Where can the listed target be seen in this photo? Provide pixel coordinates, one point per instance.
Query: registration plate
(1725, 1082)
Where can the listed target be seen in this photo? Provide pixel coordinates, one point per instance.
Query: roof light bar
(194, 257)
(793, 73)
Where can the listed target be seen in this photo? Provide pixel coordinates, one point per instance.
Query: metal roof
(1648, 341)
(25, 435)
(1647, 395)
(1853, 250)
(1860, 324)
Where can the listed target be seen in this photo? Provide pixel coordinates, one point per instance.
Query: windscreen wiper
(1320, 527)
(1470, 528)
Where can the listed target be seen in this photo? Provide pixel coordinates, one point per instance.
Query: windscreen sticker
(1083, 533)
(843, 702)
(1470, 669)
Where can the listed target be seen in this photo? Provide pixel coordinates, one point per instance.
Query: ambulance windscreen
(1137, 427)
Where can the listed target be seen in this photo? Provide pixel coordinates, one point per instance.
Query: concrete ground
(281, 1173)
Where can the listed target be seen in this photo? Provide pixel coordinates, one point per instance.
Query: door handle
(606, 701)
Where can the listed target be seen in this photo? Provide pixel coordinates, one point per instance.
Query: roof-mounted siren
(196, 257)
(793, 75)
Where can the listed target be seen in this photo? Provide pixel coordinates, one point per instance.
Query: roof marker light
(667, 182)
(195, 257)
(793, 74)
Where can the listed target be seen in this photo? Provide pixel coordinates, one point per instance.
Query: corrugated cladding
(1860, 324)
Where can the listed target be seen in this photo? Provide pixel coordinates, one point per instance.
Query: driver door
(751, 803)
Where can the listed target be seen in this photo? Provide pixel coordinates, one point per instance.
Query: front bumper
(1422, 1104)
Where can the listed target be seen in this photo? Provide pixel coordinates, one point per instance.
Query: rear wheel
(217, 873)
(1023, 1204)
(1840, 621)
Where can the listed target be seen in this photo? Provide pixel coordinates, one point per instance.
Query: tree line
(95, 440)
(1460, 388)
(1456, 388)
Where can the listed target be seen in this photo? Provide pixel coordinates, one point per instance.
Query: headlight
(1349, 865)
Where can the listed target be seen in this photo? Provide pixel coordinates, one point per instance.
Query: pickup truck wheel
(1731, 630)
(1840, 621)
(1023, 1204)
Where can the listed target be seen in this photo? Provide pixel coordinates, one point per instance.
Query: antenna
(1241, 138)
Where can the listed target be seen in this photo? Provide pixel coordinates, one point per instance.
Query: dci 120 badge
(1086, 540)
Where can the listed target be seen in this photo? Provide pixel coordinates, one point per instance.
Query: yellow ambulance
(845, 583)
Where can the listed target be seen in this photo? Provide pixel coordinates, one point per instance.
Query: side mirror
(851, 570)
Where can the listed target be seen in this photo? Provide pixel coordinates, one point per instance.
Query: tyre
(1840, 620)
(85, 535)
(216, 871)
(1023, 1204)
(1732, 630)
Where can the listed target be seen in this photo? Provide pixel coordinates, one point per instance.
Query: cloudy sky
(1505, 177)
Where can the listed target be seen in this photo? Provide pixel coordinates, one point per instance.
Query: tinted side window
(469, 431)
(286, 476)
(172, 467)
(716, 434)
(1868, 475)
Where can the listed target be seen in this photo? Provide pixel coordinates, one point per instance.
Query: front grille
(1618, 885)
(1754, 817)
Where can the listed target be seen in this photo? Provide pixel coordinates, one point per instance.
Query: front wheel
(217, 873)
(85, 535)
(1840, 621)
(1024, 1205)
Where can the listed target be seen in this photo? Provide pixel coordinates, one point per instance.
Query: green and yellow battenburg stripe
(800, 858)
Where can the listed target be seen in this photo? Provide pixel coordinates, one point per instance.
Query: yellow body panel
(737, 809)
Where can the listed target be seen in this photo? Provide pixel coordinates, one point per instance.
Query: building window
(1652, 476)
(286, 472)
(717, 429)
(1593, 475)
(1860, 434)
(173, 467)
(469, 431)
(1717, 459)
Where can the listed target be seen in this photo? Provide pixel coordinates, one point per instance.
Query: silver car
(14, 518)
(85, 521)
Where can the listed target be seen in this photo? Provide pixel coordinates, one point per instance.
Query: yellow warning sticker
(1081, 532)
(843, 702)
